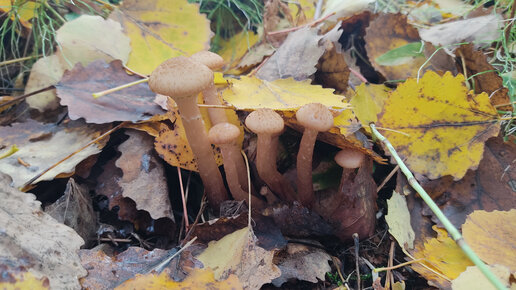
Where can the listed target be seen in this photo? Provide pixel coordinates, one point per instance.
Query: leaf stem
(454, 233)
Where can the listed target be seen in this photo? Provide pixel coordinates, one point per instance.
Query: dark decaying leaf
(133, 104)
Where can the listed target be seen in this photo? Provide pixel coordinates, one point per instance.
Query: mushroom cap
(265, 121)
(223, 133)
(349, 158)
(315, 116)
(209, 59)
(180, 77)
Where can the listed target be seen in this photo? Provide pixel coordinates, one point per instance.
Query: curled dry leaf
(437, 126)
(34, 240)
(161, 29)
(43, 145)
(75, 90)
(332, 70)
(387, 32)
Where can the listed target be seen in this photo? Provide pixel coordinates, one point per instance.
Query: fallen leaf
(75, 90)
(479, 30)
(197, 279)
(385, 33)
(23, 11)
(298, 55)
(42, 145)
(238, 254)
(161, 29)
(255, 55)
(443, 256)
(305, 10)
(143, 178)
(344, 8)
(78, 41)
(398, 219)
(488, 188)
(437, 126)
(491, 235)
(368, 102)
(34, 240)
(21, 280)
(234, 49)
(473, 278)
(332, 70)
(75, 210)
(302, 263)
(486, 78)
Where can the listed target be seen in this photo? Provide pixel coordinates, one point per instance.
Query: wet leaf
(491, 235)
(161, 29)
(398, 220)
(197, 279)
(237, 253)
(439, 127)
(34, 240)
(386, 33)
(75, 90)
(42, 145)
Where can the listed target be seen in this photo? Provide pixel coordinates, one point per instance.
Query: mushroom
(214, 62)
(267, 125)
(314, 118)
(225, 136)
(182, 79)
(349, 160)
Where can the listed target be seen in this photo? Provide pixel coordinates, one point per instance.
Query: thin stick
(158, 268)
(398, 266)
(185, 213)
(15, 100)
(503, 105)
(134, 72)
(454, 233)
(315, 22)
(8, 62)
(25, 186)
(357, 268)
(358, 75)
(249, 186)
(389, 279)
(115, 89)
(391, 174)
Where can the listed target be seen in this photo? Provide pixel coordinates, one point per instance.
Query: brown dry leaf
(79, 41)
(387, 32)
(443, 256)
(276, 16)
(143, 178)
(332, 70)
(43, 145)
(197, 279)
(131, 104)
(486, 78)
(492, 236)
(237, 253)
(75, 210)
(440, 60)
(302, 263)
(473, 278)
(34, 240)
(298, 55)
(489, 188)
(106, 270)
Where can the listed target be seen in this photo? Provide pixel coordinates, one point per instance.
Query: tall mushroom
(225, 136)
(183, 79)
(214, 62)
(314, 118)
(267, 125)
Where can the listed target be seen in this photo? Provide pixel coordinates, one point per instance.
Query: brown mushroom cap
(209, 59)
(223, 133)
(180, 77)
(315, 116)
(349, 158)
(265, 121)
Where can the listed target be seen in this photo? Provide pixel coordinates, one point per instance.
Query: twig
(357, 268)
(158, 268)
(11, 61)
(134, 72)
(454, 233)
(249, 186)
(185, 212)
(398, 266)
(25, 186)
(115, 89)
(358, 75)
(315, 22)
(389, 278)
(391, 174)
(22, 97)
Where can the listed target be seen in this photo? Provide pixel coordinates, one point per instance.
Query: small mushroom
(314, 118)
(183, 79)
(225, 136)
(267, 125)
(349, 160)
(214, 62)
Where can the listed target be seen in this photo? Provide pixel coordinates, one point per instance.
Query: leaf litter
(438, 126)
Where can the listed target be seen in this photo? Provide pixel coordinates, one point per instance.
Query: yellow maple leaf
(161, 29)
(437, 126)
(197, 279)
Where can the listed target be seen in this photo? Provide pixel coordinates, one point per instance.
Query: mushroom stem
(216, 115)
(195, 130)
(305, 189)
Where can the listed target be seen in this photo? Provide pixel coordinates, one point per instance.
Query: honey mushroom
(183, 79)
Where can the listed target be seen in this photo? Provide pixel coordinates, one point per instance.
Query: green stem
(454, 233)
(53, 11)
